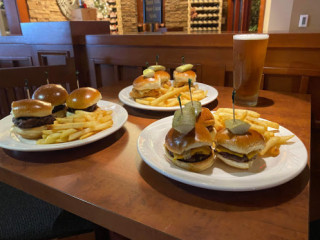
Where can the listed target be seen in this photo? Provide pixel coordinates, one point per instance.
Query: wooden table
(108, 183)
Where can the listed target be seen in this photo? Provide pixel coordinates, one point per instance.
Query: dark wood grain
(108, 183)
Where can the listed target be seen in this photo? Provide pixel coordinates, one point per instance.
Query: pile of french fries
(78, 126)
(169, 94)
(266, 128)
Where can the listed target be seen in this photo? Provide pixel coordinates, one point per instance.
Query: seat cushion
(26, 217)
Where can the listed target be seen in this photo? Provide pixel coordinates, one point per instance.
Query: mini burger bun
(178, 143)
(193, 166)
(82, 98)
(31, 108)
(141, 83)
(241, 165)
(29, 133)
(182, 78)
(244, 143)
(162, 75)
(52, 93)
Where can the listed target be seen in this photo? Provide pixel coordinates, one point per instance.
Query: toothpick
(77, 75)
(46, 73)
(182, 59)
(179, 100)
(189, 82)
(234, 114)
(26, 84)
(157, 59)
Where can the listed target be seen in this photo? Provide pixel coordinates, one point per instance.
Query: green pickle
(184, 68)
(148, 73)
(196, 105)
(184, 122)
(157, 68)
(237, 126)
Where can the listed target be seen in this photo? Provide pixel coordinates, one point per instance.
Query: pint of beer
(249, 52)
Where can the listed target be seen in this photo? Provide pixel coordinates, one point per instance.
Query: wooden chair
(12, 82)
(288, 79)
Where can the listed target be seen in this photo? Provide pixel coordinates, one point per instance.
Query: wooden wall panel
(292, 61)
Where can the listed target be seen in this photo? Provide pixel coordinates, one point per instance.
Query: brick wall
(44, 11)
(129, 15)
(176, 13)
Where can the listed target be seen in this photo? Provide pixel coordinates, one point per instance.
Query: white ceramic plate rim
(126, 99)
(291, 161)
(11, 141)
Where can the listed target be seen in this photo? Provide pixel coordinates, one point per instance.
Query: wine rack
(115, 16)
(204, 15)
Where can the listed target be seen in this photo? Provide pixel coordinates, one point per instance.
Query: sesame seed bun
(82, 98)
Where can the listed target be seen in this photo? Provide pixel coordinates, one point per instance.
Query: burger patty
(31, 122)
(88, 109)
(234, 157)
(58, 108)
(195, 158)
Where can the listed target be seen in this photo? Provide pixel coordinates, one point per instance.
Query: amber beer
(249, 52)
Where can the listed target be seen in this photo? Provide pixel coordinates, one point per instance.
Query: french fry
(52, 138)
(102, 126)
(78, 134)
(77, 126)
(169, 94)
(273, 141)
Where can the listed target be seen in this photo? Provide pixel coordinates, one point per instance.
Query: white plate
(265, 173)
(11, 141)
(124, 96)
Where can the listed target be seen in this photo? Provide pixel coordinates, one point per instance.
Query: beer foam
(250, 36)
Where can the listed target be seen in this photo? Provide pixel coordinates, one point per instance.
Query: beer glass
(249, 52)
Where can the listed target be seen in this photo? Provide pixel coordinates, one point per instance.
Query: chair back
(12, 82)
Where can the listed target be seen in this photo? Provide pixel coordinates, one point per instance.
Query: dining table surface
(108, 183)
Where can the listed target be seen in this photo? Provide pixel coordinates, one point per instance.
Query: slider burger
(161, 74)
(54, 94)
(182, 74)
(30, 117)
(192, 150)
(146, 85)
(85, 99)
(238, 150)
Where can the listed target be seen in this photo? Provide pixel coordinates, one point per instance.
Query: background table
(108, 183)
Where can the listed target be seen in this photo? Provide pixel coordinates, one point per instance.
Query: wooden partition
(51, 43)
(292, 62)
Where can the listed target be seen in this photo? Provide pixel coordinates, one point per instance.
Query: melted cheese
(189, 154)
(223, 149)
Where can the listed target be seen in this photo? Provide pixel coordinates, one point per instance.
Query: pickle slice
(196, 105)
(184, 68)
(184, 122)
(148, 73)
(237, 126)
(157, 68)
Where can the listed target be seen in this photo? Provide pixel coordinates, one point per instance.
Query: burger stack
(32, 116)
